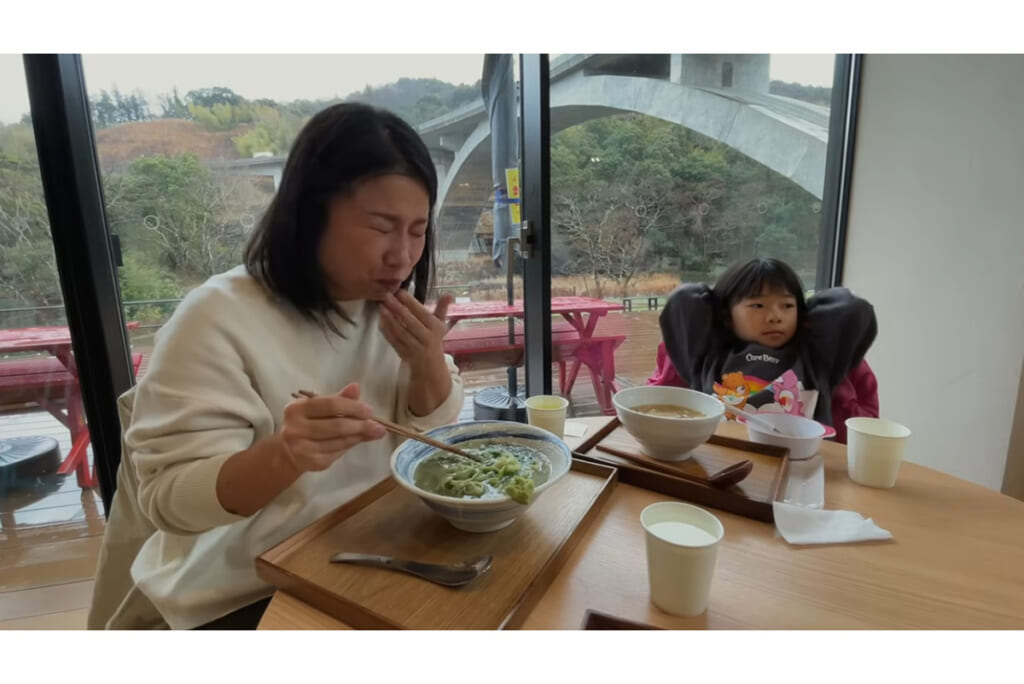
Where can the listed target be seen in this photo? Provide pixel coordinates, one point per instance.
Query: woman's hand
(316, 433)
(415, 332)
(418, 337)
(319, 430)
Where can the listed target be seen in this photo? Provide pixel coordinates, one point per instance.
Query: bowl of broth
(520, 462)
(668, 422)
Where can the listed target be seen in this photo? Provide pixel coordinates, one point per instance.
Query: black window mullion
(535, 134)
(838, 170)
(81, 245)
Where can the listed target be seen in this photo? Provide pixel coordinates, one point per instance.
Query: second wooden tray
(390, 520)
(594, 619)
(752, 498)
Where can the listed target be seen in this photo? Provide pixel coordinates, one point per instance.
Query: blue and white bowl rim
(410, 453)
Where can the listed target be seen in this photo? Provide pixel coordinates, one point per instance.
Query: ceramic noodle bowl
(664, 437)
(480, 514)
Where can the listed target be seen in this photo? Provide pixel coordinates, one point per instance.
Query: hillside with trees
(630, 194)
(219, 116)
(633, 194)
(817, 95)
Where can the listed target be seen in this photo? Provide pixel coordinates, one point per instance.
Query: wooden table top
(956, 561)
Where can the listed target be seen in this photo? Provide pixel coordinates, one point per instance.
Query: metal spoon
(722, 479)
(448, 575)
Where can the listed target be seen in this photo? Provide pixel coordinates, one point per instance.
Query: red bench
(48, 383)
(488, 346)
(28, 380)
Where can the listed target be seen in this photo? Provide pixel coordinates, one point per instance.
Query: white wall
(936, 243)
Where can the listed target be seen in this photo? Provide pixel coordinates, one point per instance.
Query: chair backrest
(127, 530)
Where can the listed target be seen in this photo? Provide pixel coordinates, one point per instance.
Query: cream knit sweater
(221, 373)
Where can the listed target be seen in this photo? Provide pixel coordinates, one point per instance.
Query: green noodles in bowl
(522, 461)
(511, 470)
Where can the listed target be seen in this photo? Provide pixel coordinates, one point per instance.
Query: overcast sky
(290, 77)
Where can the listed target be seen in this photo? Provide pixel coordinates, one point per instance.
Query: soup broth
(668, 411)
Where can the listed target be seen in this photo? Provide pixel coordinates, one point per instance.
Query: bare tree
(608, 230)
(582, 216)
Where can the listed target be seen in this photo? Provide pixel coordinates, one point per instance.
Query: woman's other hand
(414, 331)
(417, 335)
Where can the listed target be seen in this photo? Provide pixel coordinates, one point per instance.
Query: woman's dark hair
(338, 148)
(751, 278)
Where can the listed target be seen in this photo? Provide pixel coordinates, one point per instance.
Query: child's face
(769, 318)
(374, 237)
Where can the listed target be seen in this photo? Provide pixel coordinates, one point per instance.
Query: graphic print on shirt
(789, 396)
(785, 394)
(735, 389)
(786, 389)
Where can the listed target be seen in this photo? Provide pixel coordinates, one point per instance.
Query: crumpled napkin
(803, 525)
(801, 519)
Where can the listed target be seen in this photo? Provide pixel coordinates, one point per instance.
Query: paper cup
(682, 545)
(874, 450)
(548, 412)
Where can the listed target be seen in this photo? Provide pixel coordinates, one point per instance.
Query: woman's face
(374, 237)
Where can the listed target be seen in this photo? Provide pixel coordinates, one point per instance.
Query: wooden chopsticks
(644, 462)
(407, 432)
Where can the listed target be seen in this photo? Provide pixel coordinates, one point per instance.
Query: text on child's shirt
(762, 357)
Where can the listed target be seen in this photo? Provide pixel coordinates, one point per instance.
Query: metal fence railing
(149, 313)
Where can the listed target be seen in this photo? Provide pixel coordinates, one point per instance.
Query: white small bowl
(664, 438)
(473, 514)
(803, 435)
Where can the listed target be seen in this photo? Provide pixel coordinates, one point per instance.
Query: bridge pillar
(442, 162)
(743, 72)
(452, 143)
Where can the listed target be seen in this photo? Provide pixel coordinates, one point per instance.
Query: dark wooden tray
(753, 497)
(593, 619)
(390, 520)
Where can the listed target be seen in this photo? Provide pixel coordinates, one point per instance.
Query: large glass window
(192, 147)
(669, 168)
(48, 489)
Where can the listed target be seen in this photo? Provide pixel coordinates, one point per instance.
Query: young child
(754, 342)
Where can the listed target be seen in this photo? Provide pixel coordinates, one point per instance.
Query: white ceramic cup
(874, 450)
(547, 411)
(682, 545)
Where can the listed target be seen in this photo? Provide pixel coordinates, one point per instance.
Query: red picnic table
(45, 380)
(576, 341)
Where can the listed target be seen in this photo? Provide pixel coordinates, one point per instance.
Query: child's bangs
(764, 279)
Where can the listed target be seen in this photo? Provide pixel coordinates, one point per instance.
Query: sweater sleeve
(195, 407)
(447, 412)
(688, 329)
(839, 330)
(665, 374)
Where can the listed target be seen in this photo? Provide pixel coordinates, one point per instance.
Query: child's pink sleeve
(856, 395)
(665, 373)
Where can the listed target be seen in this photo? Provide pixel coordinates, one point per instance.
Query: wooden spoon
(722, 479)
(407, 432)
